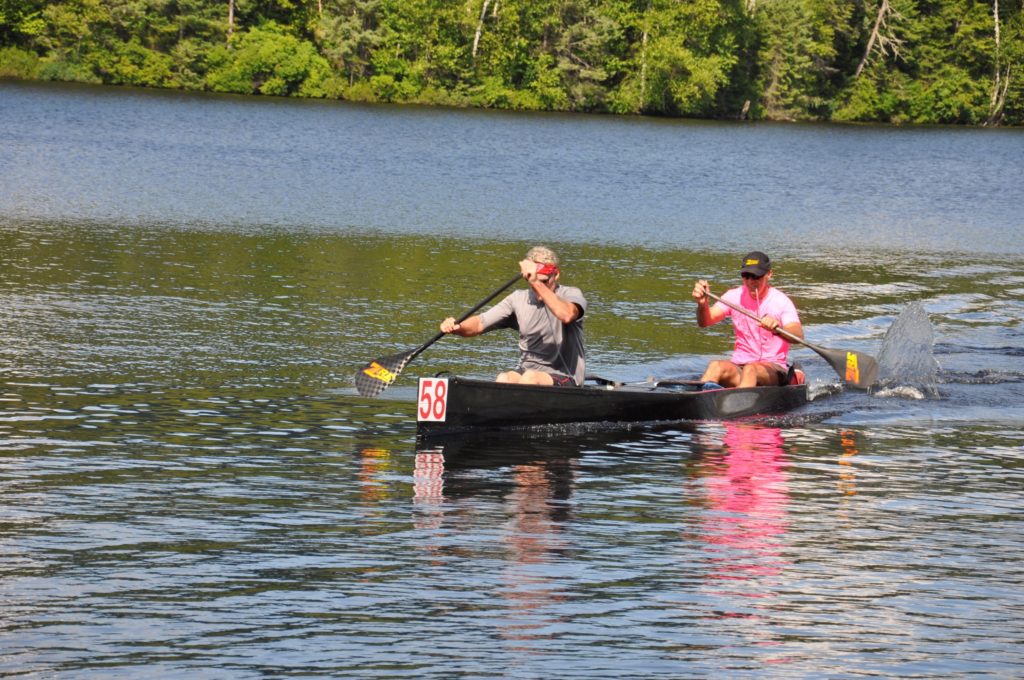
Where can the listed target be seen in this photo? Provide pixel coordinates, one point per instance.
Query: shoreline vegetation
(885, 61)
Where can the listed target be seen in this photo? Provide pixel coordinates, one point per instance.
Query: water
(190, 487)
(907, 365)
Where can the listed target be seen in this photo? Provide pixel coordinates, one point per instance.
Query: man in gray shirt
(549, 318)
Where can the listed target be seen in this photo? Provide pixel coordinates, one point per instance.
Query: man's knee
(760, 374)
(536, 378)
(720, 368)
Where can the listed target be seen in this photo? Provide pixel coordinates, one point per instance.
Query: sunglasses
(748, 275)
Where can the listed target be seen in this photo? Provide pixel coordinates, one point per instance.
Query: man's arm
(466, 329)
(789, 319)
(706, 314)
(796, 329)
(564, 310)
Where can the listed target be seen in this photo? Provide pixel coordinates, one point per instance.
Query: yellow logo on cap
(751, 262)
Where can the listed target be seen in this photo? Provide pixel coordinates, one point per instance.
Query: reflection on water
(747, 494)
(738, 539)
(598, 554)
(848, 475)
(532, 590)
(428, 477)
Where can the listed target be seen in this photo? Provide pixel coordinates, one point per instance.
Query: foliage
(798, 54)
(896, 61)
(268, 61)
(18, 63)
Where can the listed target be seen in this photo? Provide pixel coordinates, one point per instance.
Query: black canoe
(452, 405)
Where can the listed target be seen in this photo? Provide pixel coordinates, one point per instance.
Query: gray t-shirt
(545, 343)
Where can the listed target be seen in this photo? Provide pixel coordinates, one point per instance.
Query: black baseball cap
(756, 263)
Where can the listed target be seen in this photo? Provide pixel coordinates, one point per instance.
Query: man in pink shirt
(759, 355)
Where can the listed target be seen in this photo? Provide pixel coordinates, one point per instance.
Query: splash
(907, 367)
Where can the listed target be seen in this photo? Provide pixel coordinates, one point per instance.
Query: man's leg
(531, 377)
(725, 373)
(760, 374)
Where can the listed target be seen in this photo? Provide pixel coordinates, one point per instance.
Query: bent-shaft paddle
(857, 369)
(376, 376)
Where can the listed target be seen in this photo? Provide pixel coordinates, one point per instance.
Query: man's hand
(449, 325)
(700, 291)
(529, 269)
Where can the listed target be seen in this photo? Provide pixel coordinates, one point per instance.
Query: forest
(891, 61)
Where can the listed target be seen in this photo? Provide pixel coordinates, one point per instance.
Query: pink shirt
(753, 342)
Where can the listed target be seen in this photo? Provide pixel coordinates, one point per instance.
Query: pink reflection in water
(747, 494)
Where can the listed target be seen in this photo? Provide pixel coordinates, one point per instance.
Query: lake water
(191, 487)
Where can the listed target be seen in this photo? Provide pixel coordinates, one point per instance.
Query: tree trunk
(480, 27)
(643, 71)
(885, 43)
(999, 84)
(1002, 85)
(231, 18)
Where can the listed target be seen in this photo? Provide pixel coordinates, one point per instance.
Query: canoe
(453, 405)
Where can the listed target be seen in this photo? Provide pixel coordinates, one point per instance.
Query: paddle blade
(858, 370)
(377, 376)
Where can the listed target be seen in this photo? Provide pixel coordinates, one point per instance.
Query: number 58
(432, 400)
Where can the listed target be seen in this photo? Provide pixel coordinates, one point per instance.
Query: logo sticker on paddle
(432, 400)
(378, 372)
(852, 370)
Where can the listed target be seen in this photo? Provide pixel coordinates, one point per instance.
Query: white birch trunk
(995, 104)
(643, 71)
(480, 26)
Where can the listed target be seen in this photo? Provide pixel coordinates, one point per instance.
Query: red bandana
(547, 270)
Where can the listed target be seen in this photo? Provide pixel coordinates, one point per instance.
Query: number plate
(432, 403)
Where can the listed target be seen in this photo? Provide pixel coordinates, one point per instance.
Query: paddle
(376, 376)
(859, 370)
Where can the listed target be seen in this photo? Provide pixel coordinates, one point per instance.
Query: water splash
(907, 367)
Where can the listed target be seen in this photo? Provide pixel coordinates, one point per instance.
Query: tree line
(893, 61)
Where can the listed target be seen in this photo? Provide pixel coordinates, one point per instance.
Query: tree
(20, 21)
(267, 61)
(797, 55)
(682, 55)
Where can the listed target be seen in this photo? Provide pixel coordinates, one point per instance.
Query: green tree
(586, 45)
(20, 22)
(1007, 100)
(267, 61)
(927, 61)
(797, 55)
(348, 33)
(682, 56)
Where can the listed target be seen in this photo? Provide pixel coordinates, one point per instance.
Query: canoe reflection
(533, 492)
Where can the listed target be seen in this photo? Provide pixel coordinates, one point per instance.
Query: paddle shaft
(416, 352)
